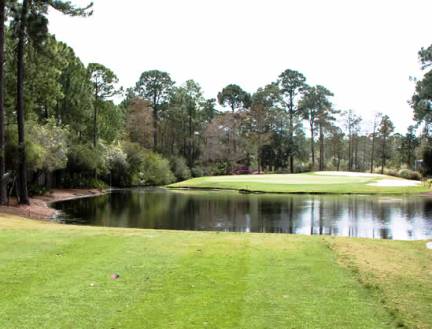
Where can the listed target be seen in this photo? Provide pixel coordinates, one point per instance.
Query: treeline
(59, 125)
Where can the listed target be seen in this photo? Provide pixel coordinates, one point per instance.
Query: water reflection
(383, 217)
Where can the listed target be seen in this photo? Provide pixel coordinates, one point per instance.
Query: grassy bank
(305, 183)
(57, 276)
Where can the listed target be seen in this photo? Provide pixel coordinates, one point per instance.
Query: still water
(380, 217)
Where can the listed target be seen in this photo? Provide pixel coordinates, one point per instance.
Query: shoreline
(247, 191)
(40, 206)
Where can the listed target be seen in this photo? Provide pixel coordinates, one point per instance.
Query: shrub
(198, 171)
(409, 174)
(86, 158)
(156, 170)
(119, 167)
(179, 168)
(218, 168)
(76, 180)
(391, 172)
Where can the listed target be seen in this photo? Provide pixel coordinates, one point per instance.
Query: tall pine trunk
(291, 133)
(372, 153)
(312, 146)
(3, 184)
(22, 165)
(383, 159)
(321, 157)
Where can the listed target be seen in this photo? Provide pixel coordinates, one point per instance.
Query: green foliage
(50, 141)
(154, 86)
(234, 97)
(87, 159)
(422, 98)
(77, 180)
(146, 167)
(46, 146)
(179, 168)
(156, 170)
(197, 171)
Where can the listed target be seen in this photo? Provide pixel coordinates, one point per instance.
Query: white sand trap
(394, 183)
(347, 174)
(429, 245)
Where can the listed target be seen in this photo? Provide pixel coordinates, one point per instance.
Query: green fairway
(57, 276)
(319, 182)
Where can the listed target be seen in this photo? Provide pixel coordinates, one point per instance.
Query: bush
(86, 158)
(156, 170)
(119, 168)
(391, 172)
(218, 168)
(409, 174)
(179, 168)
(76, 180)
(198, 171)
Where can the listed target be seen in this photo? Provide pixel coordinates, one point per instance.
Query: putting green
(318, 182)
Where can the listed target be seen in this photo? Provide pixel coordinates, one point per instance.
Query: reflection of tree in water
(325, 213)
(358, 216)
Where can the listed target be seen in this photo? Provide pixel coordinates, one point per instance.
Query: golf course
(60, 276)
(316, 182)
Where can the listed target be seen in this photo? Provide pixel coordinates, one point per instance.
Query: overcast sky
(364, 51)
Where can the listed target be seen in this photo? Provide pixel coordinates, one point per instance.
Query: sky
(364, 51)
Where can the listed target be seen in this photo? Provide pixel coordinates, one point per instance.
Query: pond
(381, 217)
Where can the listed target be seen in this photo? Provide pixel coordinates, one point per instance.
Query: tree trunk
(383, 155)
(373, 152)
(291, 133)
(191, 142)
(312, 146)
(355, 147)
(349, 151)
(155, 127)
(321, 158)
(22, 166)
(95, 113)
(3, 183)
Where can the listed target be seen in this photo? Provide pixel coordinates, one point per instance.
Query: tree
(104, 87)
(32, 21)
(409, 143)
(156, 87)
(324, 119)
(421, 101)
(192, 99)
(291, 84)
(374, 131)
(139, 122)
(75, 104)
(315, 107)
(336, 141)
(386, 127)
(258, 119)
(234, 97)
(352, 124)
(3, 183)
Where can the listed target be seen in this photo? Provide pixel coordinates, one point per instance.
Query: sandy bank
(39, 205)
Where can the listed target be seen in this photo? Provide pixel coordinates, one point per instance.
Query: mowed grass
(58, 276)
(301, 183)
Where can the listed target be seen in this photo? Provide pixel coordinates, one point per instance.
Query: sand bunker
(347, 174)
(429, 245)
(394, 183)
